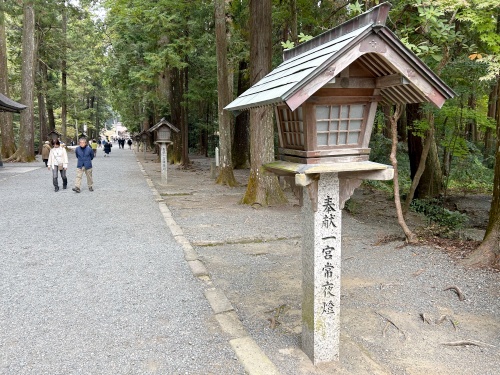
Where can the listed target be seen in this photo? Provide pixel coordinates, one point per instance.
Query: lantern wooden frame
(343, 135)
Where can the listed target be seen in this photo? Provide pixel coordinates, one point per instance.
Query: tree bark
(262, 188)
(64, 85)
(184, 117)
(421, 168)
(48, 101)
(488, 253)
(294, 34)
(175, 81)
(410, 236)
(226, 175)
(174, 85)
(430, 183)
(6, 124)
(493, 112)
(241, 142)
(42, 115)
(26, 150)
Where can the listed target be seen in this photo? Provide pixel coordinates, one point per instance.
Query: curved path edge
(250, 355)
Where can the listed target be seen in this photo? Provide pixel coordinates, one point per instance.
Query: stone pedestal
(325, 189)
(163, 159)
(321, 251)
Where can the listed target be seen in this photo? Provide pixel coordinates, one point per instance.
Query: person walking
(129, 142)
(46, 152)
(93, 145)
(107, 148)
(84, 155)
(58, 162)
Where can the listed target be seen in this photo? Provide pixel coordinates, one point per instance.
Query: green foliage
(288, 44)
(380, 148)
(449, 221)
(469, 175)
(355, 8)
(304, 38)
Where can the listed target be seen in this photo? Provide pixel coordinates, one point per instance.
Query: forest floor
(405, 309)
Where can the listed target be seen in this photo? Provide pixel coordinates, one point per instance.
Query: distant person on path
(99, 143)
(93, 145)
(45, 152)
(84, 155)
(107, 148)
(58, 162)
(129, 142)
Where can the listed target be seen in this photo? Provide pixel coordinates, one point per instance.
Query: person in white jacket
(58, 162)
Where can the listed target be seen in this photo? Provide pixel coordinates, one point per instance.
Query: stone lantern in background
(163, 131)
(325, 95)
(144, 137)
(137, 139)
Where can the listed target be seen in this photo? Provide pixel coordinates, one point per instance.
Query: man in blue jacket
(84, 155)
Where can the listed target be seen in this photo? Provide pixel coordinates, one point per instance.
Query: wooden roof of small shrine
(324, 61)
(163, 122)
(9, 105)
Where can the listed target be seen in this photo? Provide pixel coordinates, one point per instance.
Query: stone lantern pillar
(163, 131)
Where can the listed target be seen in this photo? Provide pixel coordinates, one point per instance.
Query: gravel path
(94, 283)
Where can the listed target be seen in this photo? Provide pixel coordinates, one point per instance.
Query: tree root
(460, 295)
(425, 318)
(390, 322)
(442, 318)
(466, 343)
(274, 322)
(417, 273)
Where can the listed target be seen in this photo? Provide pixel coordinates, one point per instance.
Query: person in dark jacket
(107, 148)
(84, 155)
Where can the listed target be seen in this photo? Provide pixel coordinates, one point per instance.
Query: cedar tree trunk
(262, 189)
(226, 175)
(6, 125)
(430, 183)
(241, 142)
(26, 150)
(488, 253)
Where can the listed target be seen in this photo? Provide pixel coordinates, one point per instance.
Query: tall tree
(64, 72)
(6, 125)
(263, 188)
(226, 176)
(42, 110)
(240, 140)
(26, 149)
(488, 253)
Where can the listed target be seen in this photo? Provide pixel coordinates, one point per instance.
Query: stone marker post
(163, 159)
(325, 189)
(321, 250)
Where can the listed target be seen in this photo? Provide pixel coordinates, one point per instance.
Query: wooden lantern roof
(365, 44)
(9, 105)
(163, 122)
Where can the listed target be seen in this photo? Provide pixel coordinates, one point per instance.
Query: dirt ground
(398, 313)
